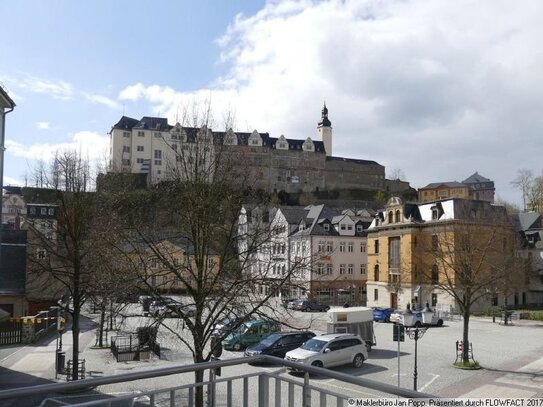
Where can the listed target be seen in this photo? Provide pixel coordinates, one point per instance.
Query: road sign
(398, 333)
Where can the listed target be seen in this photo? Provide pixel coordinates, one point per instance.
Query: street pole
(415, 334)
(398, 363)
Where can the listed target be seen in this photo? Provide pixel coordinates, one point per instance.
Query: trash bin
(61, 361)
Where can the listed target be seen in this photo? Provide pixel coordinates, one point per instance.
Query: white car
(417, 321)
(330, 350)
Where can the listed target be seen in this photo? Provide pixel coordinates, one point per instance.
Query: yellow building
(415, 249)
(443, 190)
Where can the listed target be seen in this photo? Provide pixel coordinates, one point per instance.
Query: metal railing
(256, 388)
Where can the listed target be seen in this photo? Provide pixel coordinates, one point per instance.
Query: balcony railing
(253, 389)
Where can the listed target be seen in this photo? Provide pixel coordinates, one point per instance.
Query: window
(349, 227)
(435, 213)
(390, 217)
(342, 247)
(435, 274)
(342, 269)
(394, 252)
(359, 228)
(320, 268)
(126, 161)
(326, 227)
(434, 300)
(321, 246)
(158, 157)
(158, 162)
(350, 248)
(40, 253)
(363, 269)
(255, 142)
(157, 135)
(164, 280)
(376, 272)
(51, 211)
(126, 149)
(329, 269)
(139, 160)
(139, 148)
(375, 294)
(376, 246)
(43, 211)
(329, 247)
(350, 269)
(398, 216)
(362, 247)
(342, 227)
(141, 134)
(32, 211)
(435, 242)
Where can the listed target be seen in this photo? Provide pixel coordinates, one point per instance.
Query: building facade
(474, 187)
(414, 250)
(315, 252)
(152, 146)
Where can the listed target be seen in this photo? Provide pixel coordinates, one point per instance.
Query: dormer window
(326, 227)
(359, 228)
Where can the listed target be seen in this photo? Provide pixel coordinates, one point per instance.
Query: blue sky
(438, 89)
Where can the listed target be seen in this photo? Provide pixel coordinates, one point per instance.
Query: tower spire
(324, 119)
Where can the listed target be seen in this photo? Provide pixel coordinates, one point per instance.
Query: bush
(467, 366)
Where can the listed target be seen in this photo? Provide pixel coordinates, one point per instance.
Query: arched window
(376, 272)
(397, 216)
(390, 217)
(435, 274)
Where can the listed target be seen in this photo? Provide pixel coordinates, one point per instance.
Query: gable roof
(527, 220)
(475, 179)
(448, 184)
(5, 100)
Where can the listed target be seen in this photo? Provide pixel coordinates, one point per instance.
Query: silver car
(330, 350)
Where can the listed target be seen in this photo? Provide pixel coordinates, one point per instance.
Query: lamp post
(415, 333)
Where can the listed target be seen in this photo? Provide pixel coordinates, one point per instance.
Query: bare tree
(467, 259)
(185, 234)
(523, 181)
(66, 248)
(397, 174)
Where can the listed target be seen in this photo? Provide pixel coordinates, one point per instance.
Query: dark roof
(475, 179)
(526, 221)
(352, 160)
(293, 214)
(13, 190)
(153, 123)
(126, 123)
(449, 184)
(7, 101)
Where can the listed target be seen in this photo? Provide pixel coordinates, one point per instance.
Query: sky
(437, 90)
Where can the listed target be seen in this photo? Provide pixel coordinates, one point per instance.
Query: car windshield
(314, 345)
(270, 340)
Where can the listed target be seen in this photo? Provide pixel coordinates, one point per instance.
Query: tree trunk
(75, 338)
(505, 319)
(102, 323)
(465, 336)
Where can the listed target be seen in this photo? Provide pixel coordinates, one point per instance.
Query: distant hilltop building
(151, 146)
(474, 187)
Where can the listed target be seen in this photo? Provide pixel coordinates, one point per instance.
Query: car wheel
(306, 309)
(358, 360)
(439, 322)
(237, 346)
(418, 324)
(317, 363)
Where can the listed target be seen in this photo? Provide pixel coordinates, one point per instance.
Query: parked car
(417, 321)
(330, 350)
(382, 314)
(287, 303)
(250, 333)
(305, 306)
(279, 344)
(227, 324)
(168, 307)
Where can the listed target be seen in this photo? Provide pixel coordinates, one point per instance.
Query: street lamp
(415, 333)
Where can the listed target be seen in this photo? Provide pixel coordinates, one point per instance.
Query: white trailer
(354, 320)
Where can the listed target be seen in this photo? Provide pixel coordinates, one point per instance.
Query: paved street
(511, 356)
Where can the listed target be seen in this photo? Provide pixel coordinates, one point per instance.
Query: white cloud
(56, 88)
(43, 125)
(91, 145)
(437, 89)
(103, 100)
